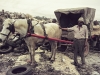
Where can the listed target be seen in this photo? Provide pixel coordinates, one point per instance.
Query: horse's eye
(7, 27)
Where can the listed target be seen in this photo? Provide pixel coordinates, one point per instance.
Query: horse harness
(11, 28)
(30, 29)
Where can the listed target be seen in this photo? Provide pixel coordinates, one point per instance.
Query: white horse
(21, 26)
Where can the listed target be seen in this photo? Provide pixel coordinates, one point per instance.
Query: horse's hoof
(34, 65)
(51, 61)
(29, 63)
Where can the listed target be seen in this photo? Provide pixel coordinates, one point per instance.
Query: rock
(17, 63)
(23, 58)
(95, 73)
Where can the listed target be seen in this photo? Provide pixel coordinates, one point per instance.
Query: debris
(61, 66)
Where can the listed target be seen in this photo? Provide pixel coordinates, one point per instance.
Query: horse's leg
(31, 46)
(32, 53)
(30, 61)
(53, 49)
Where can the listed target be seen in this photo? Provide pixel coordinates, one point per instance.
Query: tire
(21, 49)
(18, 50)
(86, 49)
(62, 48)
(5, 49)
(20, 70)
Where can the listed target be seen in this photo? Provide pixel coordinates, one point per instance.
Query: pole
(54, 39)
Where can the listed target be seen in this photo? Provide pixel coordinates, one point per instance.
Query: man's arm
(68, 29)
(64, 28)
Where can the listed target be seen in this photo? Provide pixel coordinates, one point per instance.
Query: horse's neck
(21, 27)
(21, 31)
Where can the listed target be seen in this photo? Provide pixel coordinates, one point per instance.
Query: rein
(6, 35)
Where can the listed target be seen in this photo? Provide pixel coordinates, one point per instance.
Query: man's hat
(81, 19)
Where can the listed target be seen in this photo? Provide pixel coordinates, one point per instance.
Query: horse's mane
(7, 21)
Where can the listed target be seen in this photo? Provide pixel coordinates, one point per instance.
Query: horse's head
(8, 27)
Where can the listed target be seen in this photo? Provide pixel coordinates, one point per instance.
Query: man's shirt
(81, 33)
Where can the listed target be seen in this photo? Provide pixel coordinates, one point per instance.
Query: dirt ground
(92, 63)
(61, 66)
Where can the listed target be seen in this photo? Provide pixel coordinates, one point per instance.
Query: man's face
(80, 23)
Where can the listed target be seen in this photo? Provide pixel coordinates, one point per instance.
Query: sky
(47, 7)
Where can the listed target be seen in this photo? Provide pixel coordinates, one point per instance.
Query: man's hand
(86, 41)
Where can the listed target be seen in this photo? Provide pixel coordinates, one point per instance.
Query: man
(80, 40)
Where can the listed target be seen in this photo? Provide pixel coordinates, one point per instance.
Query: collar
(80, 27)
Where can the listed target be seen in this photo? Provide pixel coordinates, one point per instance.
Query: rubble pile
(61, 66)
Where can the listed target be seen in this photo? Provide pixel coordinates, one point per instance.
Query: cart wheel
(20, 70)
(5, 49)
(86, 49)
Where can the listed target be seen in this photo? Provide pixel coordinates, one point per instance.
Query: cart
(69, 17)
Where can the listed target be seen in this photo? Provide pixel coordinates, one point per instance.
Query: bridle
(11, 28)
(6, 36)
